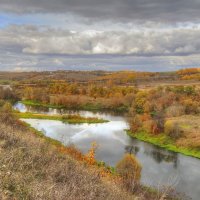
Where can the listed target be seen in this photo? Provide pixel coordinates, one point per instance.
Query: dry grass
(30, 168)
(190, 126)
(189, 123)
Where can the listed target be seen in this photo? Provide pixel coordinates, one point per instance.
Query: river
(159, 166)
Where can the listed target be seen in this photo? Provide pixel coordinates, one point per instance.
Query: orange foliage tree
(90, 156)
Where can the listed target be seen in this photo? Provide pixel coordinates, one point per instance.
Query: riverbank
(71, 119)
(163, 141)
(51, 173)
(86, 107)
(52, 169)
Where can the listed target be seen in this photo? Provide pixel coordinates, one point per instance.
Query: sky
(141, 35)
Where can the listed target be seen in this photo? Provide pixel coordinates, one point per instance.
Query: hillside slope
(30, 168)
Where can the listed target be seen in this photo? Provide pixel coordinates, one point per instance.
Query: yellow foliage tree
(129, 169)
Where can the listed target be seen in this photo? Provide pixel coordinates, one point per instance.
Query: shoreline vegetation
(163, 141)
(86, 107)
(37, 103)
(160, 140)
(71, 119)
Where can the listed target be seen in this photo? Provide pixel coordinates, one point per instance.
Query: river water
(159, 167)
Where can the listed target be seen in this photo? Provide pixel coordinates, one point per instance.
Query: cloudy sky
(144, 35)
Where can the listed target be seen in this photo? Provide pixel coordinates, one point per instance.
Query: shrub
(175, 110)
(158, 125)
(191, 106)
(130, 170)
(6, 114)
(6, 94)
(151, 126)
(173, 129)
(135, 123)
(1, 102)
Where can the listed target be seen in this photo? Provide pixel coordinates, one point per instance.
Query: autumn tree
(129, 169)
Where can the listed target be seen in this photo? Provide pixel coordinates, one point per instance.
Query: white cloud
(33, 40)
(42, 48)
(93, 34)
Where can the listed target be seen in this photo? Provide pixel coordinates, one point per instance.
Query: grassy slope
(73, 119)
(164, 141)
(32, 168)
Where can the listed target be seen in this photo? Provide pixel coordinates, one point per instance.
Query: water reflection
(53, 111)
(132, 149)
(162, 155)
